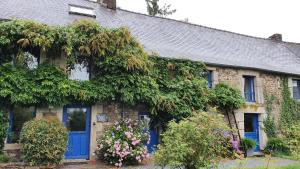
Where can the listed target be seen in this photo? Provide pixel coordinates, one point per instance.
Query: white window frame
(75, 9)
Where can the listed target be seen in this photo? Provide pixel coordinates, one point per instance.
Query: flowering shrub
(123, 143)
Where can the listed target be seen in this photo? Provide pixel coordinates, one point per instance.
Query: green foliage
(226, 98)
(4, 158)
(289, 120)
(275, 145)
(44, 141)
(3, 128)
(292, 139)
(123, 143)
(194, 142)
(248, 143)
(290, 108)
(154, 9)
(269, 122)
(120, 69)
(182, 87)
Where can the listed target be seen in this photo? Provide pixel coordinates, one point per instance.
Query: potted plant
(249, 146)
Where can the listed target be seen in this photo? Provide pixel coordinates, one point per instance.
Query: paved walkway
(230, 164)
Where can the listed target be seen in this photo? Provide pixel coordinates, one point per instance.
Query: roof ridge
(194, 24)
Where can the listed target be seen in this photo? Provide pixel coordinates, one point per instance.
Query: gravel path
(149, 164)
(230, 164)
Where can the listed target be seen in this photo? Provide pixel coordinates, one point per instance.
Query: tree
(154, 9)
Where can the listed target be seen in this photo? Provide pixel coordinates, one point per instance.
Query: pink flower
(128, 134)
(135, 142)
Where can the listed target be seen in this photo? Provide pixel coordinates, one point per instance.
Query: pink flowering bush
(123, 143)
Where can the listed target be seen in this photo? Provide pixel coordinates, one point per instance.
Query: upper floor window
(82, 10)
(31, 61)
(80, 72)
(210, 78)
(249, 90)
(296, 89)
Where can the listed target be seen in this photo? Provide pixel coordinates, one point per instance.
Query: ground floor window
(18, 116)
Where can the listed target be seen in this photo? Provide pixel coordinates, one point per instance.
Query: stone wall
(264, 84)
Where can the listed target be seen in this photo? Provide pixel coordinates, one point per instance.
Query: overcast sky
(260, 18)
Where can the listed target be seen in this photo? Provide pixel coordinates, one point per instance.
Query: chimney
(111, 4)
(276, 37)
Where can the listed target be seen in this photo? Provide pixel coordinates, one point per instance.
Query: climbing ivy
(269, 122)
(290, 108)
(121, 71)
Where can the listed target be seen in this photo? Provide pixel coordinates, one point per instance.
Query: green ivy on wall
(290, 107)
(269, 122)
(121, 71)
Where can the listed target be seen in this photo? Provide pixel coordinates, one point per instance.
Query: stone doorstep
(75, 162)
(258, 154)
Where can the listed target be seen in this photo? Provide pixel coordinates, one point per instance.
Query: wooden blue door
(153, 131)
(252, 128)
(77, 120)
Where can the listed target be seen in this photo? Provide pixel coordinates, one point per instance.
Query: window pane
(76, 120)
(19, 117)
(31, 61)
(249, 123)
(80, 72)
(210, 79)
(249, 89)
(296, 89)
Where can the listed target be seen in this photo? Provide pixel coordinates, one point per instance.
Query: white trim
(82, 10)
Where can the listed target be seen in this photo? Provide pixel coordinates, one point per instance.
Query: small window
(249, 89)
(82, 10)
(31, 61)
(79, 72)
(18, 117)
(296, 89)
(249, 123)
(76, 119)
(210, 78)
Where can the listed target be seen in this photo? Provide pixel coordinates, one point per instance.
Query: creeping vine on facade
(121, 70)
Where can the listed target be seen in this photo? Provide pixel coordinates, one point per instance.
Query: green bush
(3, 129)
(276, 145)
(292, 139)
(4, 158)
(226, 98)
(44, 141)
(123, 143)
(195, 142)
(248, 143)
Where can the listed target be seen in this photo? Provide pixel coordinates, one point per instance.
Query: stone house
(253, 65)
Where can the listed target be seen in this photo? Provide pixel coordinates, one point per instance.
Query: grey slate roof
(170, 38)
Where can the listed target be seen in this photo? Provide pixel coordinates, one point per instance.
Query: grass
(286, 156)
(295, 166)
(4, 158)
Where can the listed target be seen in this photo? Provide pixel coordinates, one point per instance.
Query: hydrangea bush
(124, 142)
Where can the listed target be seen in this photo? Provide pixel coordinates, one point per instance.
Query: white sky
(260, 18)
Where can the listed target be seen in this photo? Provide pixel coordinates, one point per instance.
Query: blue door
(252, 128)
(154, 132)
(77, 120)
